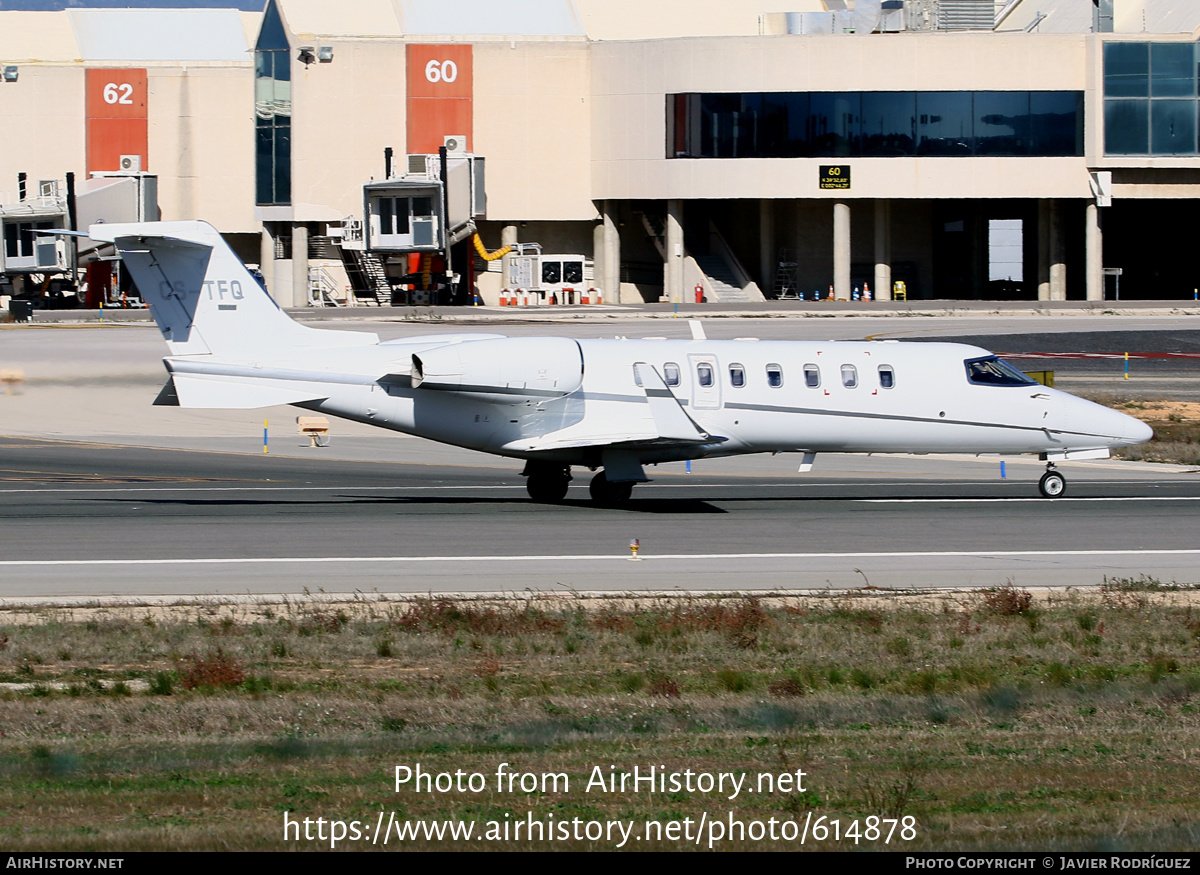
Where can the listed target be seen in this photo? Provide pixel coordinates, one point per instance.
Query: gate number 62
(114, 93)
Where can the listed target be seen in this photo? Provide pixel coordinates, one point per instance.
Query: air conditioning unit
(456, 143)
(131, 163)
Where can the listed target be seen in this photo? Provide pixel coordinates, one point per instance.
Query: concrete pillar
(612, 254)
(508, 236)
(299, 265)
(881, 288)
(673, 269)
(1043, 237)
(1058, 254)
(266, 259)
(767, 257)
(841, 250)
(799, 243)
(1094, 254)
(600, 256)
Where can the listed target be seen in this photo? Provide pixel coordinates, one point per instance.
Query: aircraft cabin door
(706, 382)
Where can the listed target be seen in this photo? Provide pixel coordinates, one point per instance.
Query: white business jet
(612, 406)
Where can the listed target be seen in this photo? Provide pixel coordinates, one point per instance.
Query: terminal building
(939, 149)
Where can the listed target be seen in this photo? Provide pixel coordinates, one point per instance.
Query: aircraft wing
(630, 442)
(670, 419)
(673, 427)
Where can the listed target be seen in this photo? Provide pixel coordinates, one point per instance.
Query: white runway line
(656, 486)
(674, 557)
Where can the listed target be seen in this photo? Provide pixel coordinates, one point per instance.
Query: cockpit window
(994, 371)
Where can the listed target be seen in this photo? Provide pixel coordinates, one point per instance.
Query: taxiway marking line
(265, 560)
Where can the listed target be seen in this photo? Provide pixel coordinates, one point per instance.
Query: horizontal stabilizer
(193, 390)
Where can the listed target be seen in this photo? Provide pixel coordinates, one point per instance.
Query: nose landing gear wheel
(606, 492)
(1052, 484)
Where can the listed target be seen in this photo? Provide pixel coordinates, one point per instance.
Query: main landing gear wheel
(1052, 484)
(605, 491)
(548, 485)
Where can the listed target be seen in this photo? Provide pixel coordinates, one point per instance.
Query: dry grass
(1176, 427)
(999, 719)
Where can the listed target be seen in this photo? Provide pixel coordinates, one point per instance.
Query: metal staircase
(368, 278)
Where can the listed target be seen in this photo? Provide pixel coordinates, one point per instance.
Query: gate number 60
(114, 93)
(438, 71)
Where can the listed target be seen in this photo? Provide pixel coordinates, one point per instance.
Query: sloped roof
(488, 17)
(37, 36)
(159, 34)
(349, 18)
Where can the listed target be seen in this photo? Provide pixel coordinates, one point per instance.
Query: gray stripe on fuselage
(766, 408)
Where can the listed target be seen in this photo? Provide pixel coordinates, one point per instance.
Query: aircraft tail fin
(203, 298)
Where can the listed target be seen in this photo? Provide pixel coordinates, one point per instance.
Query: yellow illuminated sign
(835, 176)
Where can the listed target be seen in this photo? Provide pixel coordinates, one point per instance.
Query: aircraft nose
(1127, 429)
(1139, 431)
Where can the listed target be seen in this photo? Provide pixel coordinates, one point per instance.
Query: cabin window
(737, 376)
(671, 374)
(774, 376)
(887, 377)
(849, 376)
(812, 376)
(994, 371)
(704, 375)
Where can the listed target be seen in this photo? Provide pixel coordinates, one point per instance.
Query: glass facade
(1150, 98)
(847, 124)
(272, 113)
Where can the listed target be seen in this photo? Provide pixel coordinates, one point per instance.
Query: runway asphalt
(102, 495)
(86, 520)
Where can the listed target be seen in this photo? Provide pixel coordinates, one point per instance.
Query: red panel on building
(116, 118)
(440, 90)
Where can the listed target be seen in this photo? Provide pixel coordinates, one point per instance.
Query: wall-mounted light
(325, 54)
(10, 73)
(306, 56)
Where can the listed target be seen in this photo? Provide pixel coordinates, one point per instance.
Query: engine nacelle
(512, 370)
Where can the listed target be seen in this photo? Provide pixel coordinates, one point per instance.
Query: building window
(841, 124)
(272, 112)
(1150, 98)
